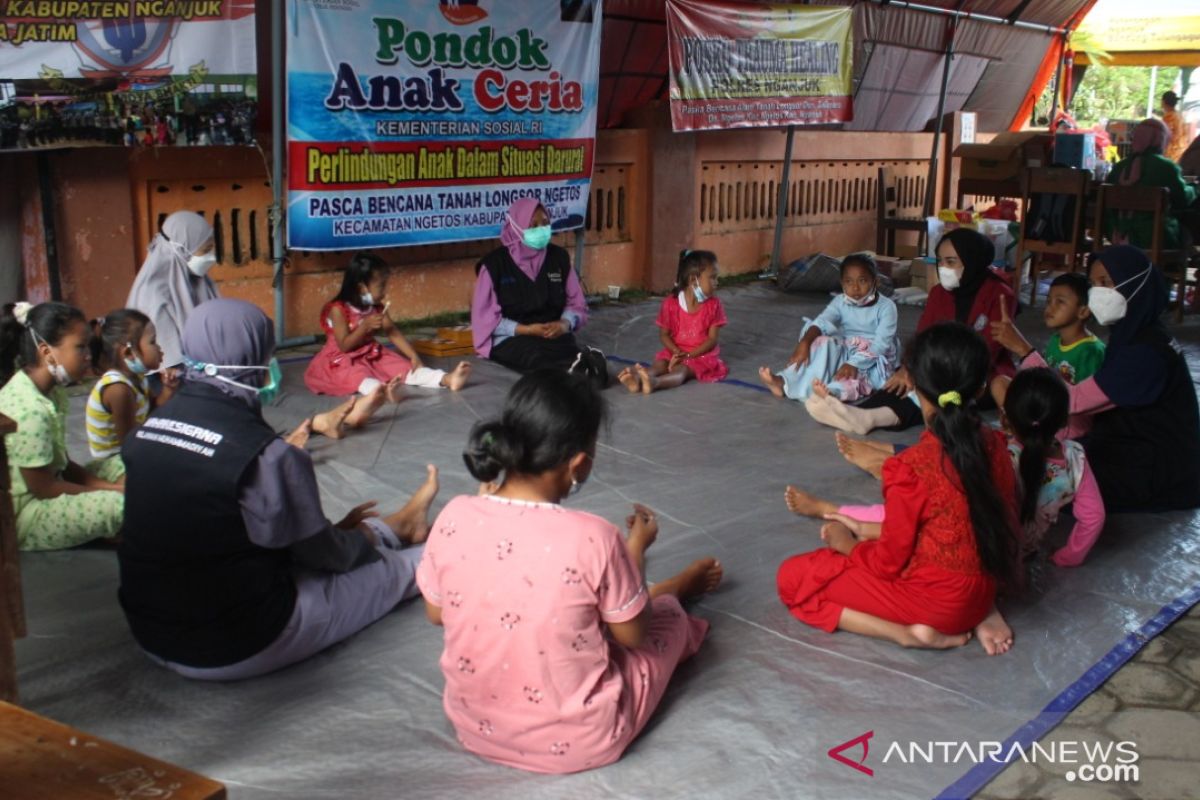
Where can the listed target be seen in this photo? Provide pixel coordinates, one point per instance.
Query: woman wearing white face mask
(967, 292)
(174, 279)
(1140, 406)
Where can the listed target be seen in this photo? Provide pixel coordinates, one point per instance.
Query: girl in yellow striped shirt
(120, 401)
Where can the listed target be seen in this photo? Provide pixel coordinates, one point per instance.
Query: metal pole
(781, 203)
(49, 234)
(971, 15)
(1150, 94)
(931, 181)
(1058, 76)
(278, 147)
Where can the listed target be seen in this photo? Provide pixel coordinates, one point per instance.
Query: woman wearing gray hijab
(229, 568)
(174, 279)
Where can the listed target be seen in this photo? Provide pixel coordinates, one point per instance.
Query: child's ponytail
(1037, 406)
(949, 367)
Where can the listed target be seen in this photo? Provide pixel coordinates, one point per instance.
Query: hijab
(485, 309)
(511, 236)
(976, 253)
(165, 289)
(1133, 373)
(1150, 137)
(229, 333)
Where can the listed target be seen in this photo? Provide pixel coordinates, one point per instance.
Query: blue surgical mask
(266, 394)
(698, 293)
(134, 363)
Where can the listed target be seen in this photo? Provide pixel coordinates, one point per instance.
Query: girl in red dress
(352, 360)
(689, 321)
(927, 575)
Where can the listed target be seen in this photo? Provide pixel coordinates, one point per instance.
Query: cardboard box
(1005, 156)
(923, 274)
(1076, 150)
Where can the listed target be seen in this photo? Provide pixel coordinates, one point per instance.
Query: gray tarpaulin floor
(753, 715)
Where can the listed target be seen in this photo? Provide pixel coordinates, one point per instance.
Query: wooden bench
(43, 760)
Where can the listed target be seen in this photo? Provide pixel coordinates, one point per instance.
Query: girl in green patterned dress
(56, 502)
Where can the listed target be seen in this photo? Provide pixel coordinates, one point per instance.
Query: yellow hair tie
(949, 398)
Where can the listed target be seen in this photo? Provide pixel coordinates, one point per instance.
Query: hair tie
(487, 440)
(21, 313)
(949, 398)
(100, 320)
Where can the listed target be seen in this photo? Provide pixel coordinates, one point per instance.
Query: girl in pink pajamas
(556, 652)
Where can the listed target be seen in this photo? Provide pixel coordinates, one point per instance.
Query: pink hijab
(521, 213)
(1150, 135)
(485, 311)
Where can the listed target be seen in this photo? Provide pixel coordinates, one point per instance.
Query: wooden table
(12, 609)
(44, 760)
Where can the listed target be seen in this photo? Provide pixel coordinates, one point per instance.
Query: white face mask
(1108, 305)
(948, 278)
(865, 300)
(57, 370)
(200, 265)
(367, 299)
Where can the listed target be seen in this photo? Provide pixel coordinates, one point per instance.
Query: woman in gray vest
(229, 568)
(528, 302)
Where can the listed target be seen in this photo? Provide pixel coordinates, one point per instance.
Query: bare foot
(866, 455)
(629, 380)
(456, 378)
(771, 381)
(411, 523)
(394, 389)
(819, 388)
(645, 379)
(806, 505)
(994, 634)
(366, 406)
(930, 638)
(698, 578)
(828, 410)
(299, 436)
(332, 423)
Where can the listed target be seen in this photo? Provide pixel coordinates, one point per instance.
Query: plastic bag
(817, 273)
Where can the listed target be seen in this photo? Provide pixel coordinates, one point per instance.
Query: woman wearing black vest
(229, 569)
(528, 302)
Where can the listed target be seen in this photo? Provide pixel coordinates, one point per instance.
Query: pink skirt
(336, 373)
(708, 368)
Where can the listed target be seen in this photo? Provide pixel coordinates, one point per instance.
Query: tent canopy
(1163, 33)
(998, 70)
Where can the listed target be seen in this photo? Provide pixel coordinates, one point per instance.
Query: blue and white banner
(421, 122)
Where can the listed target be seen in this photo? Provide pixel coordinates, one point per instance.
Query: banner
(416, 123)
(749, 66)
(126, 72)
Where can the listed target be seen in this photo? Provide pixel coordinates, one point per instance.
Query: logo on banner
(461, 12)
(126, 47)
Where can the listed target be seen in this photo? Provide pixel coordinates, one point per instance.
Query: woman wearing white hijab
(174, 279)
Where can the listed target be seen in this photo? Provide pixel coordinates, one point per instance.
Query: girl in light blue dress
(850, 348)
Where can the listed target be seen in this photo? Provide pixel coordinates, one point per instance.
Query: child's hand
(170, 378)
(1005, 334)
(838, 537)
(846, 372)
(676, 360)
(416, 361)
(642, 524)
(357, 515)
(899, 384)
(800, 355)
(374, 323)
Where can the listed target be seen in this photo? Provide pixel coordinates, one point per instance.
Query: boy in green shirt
(1072, 349)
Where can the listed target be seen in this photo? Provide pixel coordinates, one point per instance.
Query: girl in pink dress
(556, 653)
(353, 360)
(689, 321)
